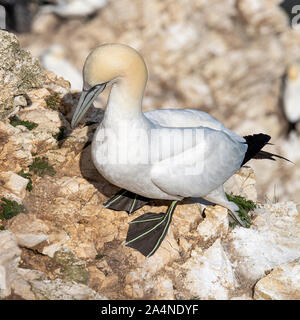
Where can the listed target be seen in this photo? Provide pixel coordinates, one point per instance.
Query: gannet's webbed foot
(147, 232)
(126, 201)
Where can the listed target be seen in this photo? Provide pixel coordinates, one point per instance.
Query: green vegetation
(41, 167)
(244, 207)
(26, 175)
(10, 208)
(2, 228)
(99, 256)
(28, 124)
(62, 134)
(53, 101)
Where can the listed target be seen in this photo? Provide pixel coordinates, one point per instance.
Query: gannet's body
(166, 154)
(159, 178)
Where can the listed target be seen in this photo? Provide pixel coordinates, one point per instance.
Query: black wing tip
(255, 143)
(258, 138)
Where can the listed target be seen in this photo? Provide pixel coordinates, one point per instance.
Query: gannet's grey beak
(86, 99)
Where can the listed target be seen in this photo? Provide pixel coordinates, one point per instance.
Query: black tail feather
(255, 143)
(268, 155)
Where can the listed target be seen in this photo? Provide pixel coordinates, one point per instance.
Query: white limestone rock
(209, 274)
(14, 183)
(20, 282)
(59, 289)
(215, 224)
(242, 183)
(10, 255)
(30, 231)
(273, 239)
(283, 283)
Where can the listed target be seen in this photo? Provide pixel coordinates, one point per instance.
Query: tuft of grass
(41, 167)
(233, 224)
(26, 175)
(28, 124)
(10, 208)
(244, 207)
(53, 101)
(99, 256)
(62, 134)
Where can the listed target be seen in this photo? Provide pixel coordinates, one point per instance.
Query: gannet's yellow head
(108, 64)
(293, 72)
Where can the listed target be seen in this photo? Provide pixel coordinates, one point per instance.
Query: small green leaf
(10, 208)
(244, 207)
(41, 167)
(99, 256)
(28, 124)
(61, 134)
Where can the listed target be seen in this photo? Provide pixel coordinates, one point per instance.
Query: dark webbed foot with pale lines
(147, 232)
(126, 201)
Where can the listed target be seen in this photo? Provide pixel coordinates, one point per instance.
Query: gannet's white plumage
(291, 94)
(202, 153)
(74, 8)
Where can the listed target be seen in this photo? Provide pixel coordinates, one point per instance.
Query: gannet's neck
(125, 99)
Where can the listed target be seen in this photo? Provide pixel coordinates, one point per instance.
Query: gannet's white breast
(292, 99)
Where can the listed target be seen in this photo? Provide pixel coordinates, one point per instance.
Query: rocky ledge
(57, 241)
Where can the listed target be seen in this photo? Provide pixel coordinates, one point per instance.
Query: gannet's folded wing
(183, 118)
(198, 170)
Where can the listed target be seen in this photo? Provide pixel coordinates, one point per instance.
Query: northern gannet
(290, 96)
(19, 14)
(165, 154)
(75, 8)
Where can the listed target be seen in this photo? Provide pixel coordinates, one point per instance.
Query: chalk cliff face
(54, 196)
